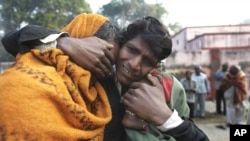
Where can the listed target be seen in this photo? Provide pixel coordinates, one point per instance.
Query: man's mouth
(128, 72)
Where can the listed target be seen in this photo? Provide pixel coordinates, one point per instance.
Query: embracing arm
(181, 129)
(187, 131)
(90, 53)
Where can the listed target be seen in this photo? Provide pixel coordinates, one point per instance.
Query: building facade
(210, 46)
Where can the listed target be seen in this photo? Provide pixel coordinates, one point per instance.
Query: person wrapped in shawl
(45, 96)
(234, 84)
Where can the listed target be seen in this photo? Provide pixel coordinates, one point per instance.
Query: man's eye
(131, 49)
(148, 62)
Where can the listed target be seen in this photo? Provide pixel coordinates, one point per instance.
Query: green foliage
(54, 14)
(123, 12)
(174, 27)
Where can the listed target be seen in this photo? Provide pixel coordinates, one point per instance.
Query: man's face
(224, 68)
(188, 75)
(233, 70)
(134, 62)
(197, 70)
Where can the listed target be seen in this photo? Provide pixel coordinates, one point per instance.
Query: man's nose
(135, 63)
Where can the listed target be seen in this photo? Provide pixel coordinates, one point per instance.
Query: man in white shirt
(202, 90)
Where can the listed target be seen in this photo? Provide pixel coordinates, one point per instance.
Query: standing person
(190, 89)
(108, 83)
(248, 115)
(219, 92)
(234, 85)
(203, 89)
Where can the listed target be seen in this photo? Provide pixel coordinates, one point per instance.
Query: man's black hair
(153, 32)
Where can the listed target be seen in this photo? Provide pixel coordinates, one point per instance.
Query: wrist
(161, 119)
(173, 121)
(61, 42)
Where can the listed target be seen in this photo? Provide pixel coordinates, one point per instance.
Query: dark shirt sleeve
(187, 131)
(26, 38)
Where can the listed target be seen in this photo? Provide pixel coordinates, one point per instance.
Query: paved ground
(215, 134)
(208, 124)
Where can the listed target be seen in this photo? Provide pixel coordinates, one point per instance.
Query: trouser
(191, 108)
(220, 98)
(199, 106)
(248, 116)
(235, 113)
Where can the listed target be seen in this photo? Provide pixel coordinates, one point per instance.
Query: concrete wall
(223, 41)
(187, 58)
(193, 32)
(204, 57)
(181, 39)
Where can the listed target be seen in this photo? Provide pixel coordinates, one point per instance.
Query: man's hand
(91, 53)
(147, 101)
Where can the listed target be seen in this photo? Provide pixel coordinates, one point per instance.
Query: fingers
(152, 79)
(108, 45)
(104, 43)
(109, 60)
(127, 98)
(99, 70)
(105, 69)
(98, 73)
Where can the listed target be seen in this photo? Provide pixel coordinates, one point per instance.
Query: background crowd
(231, 96)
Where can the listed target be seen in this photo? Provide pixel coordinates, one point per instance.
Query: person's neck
(124, 89)
(197, 73)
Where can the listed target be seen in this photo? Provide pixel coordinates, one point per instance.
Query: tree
(123, 12)
(54, 14)
(174, 27)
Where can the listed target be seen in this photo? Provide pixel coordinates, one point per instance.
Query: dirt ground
(209, 126)
(210, 118)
